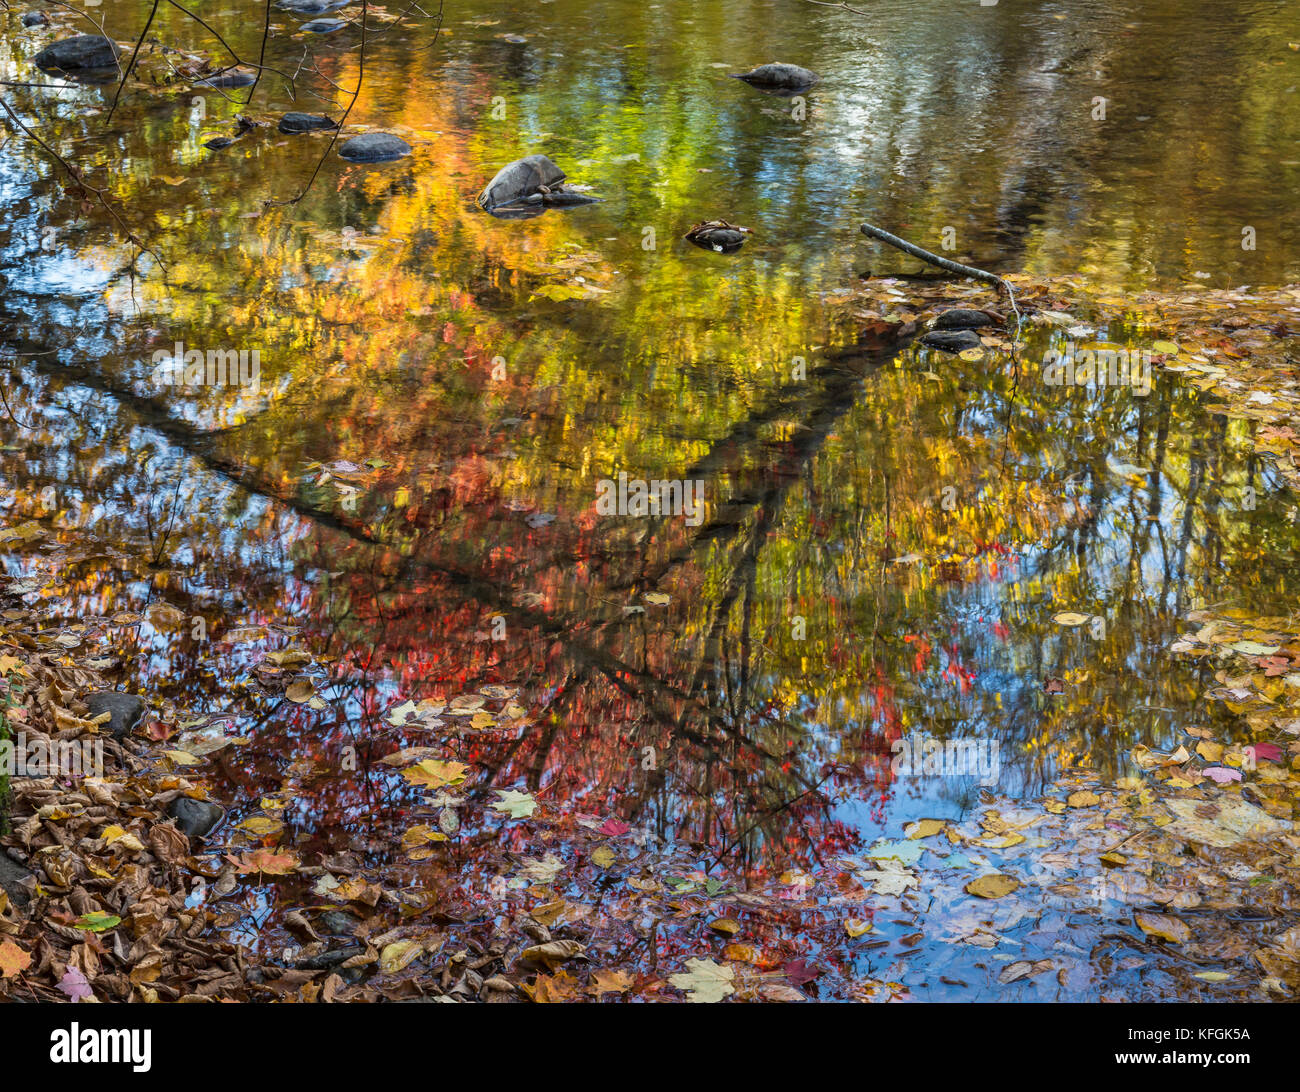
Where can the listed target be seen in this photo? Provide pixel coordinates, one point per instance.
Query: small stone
(778, 77)
(374, 148)
(13, 878)
(127, 710)
(951, 341)
(82, 51)
(196, 818)
(325, 960)
(962, 318)
(323, 26)
(312, 7)
(36, 19)
(305, 123)
(338, 923)
(233, 78)
(519, 180)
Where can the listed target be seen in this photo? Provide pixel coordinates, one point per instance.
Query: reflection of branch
(126, 72)
(77, 177)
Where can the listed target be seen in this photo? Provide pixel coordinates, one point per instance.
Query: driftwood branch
(944, 263)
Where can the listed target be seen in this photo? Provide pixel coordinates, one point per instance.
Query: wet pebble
(951, 341)
(305, 123)
(230, 79)
(197, 818)
(779, 77)
(323, 26)
(83, 51)
(374, 148)
(961, 318)
(36, 19)
(126, 710)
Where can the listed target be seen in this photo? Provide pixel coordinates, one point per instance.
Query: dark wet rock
(13, 878)
(127, 710)
(518, 180)
(779, 77)
(962, 318)
(323, 26)
(374, 148)
(306, 123)
(337, 923)
(718, 235)
(36, 19)
(197, 818)
(217, 143)
(951, 341)
(224, 80)
(83, 51)
(527, 187)
(326, 960)
(312, 7)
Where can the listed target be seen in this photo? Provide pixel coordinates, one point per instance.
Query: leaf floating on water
(705, 982)
(857, 927)
(518, 805)
(434, 775)
(1083, 799)
(1164, 926)
(924, 828)
(300, 690)
(993, 886)
(97, 922)
(264, 861)
(1069, 618)
(542, 870)
(605, 981)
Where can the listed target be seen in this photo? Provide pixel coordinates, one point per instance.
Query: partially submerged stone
(527, 187)
(293, 122)
(312, 7)
(323, 26)
(17, 881)
(962, 318)
(36, 19)
(374, 148)
(196, 818)
(79, 53)
(718, 236)
(125, 710)
(951, 341)
(233, 78)
(779, 77)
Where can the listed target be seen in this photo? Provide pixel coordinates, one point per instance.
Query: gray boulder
(312, 7)
(517, 181)
(778, 77)
(323, 26)
(197, 818)
(78, 53)
(233, 78)
(127, 710)
(951, 341)
(305, 123)
(962, 318)
(374, 148)
(13, 878)
(36, 19)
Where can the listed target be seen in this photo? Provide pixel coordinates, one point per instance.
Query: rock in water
(197, 818)
(519, 180)
(323, 26)
(233, 78)
(305, 123)
(83, 51)
(779, 77)
(312, 7)
(36, 19)
(718, 235)
(962, 318)
(951, 341)
(374, 148)
(126, 710)
(13, 879)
